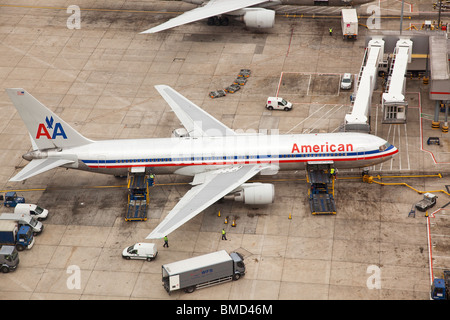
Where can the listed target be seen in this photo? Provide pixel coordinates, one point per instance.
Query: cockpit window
(384, 146)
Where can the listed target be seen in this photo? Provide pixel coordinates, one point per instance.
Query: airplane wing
(37, 166)
(209, 187)
(210, 9)
(197, 122)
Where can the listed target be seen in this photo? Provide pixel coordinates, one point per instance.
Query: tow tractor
(428, 201)
(11, 199)
(321, 192)
(440, 290)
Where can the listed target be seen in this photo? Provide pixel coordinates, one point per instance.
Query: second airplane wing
(213, 185)
(211, 9)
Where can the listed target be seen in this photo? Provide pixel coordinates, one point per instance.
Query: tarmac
(100, 79)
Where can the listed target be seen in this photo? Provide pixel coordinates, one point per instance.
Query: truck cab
(25, 238)
(278, 103)
(239, 266)
(9, 258)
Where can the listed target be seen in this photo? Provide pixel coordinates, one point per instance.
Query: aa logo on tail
(45, 131)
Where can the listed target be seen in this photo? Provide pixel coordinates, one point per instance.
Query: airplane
(220, 160)
(253, 13)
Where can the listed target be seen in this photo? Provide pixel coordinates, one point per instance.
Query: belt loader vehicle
(12, 234)
(202, 271)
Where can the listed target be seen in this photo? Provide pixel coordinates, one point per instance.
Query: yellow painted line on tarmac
(86, 9)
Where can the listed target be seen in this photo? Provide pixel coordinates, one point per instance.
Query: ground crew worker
(331, 31)
(151, 179)
(224, 237)
(332, 172)
(166, 242)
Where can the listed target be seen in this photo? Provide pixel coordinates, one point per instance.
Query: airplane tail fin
(47, 130)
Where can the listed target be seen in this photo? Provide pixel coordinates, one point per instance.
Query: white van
(31, 209)
(140, 250)
(278, 103)
(24, 219)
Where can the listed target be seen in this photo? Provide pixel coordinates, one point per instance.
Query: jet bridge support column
(435, 124)
(445, 125)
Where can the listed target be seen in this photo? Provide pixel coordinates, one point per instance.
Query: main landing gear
(218, 21)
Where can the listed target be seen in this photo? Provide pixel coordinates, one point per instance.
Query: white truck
(140, 250)
(349, 23)
(31, 209)
(278, 103)
(24, 219)
(202, 271)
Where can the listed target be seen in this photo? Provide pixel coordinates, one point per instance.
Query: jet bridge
(394, 104)
(359, 119)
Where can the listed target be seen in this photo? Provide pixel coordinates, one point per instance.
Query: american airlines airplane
(219, 159)
(253, 13)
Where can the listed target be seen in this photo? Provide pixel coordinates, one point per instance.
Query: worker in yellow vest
(224, 237)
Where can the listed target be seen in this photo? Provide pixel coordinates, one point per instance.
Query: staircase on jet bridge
(321, 191)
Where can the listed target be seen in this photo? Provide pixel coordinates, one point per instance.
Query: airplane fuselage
(318, 2)
(189, 156)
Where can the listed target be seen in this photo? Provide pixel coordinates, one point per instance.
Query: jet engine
(254, 193)
(259, 18)
(197, 2)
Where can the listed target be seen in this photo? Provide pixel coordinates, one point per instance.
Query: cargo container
(349, 23)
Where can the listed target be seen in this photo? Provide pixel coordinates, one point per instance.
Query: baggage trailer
(202, 271)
